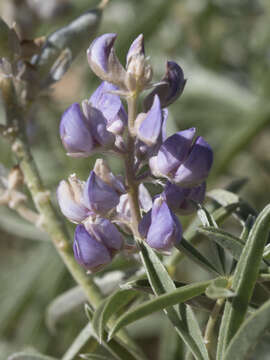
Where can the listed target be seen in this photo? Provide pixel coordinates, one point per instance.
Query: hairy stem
(129, 167)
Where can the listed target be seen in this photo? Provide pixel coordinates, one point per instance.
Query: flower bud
(69, 195)
(182, 162)
(104, 62)
(170, 87)
(164, 230)
(150, 127)
(98, 196)
(75, 133)
(139, 72)
(106, 233)
(183, 200)
(111, 107)
(88, 251)
(103, 171)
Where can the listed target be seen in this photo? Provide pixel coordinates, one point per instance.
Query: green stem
(132, 185)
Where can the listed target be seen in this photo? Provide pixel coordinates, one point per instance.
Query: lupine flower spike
(103, 206)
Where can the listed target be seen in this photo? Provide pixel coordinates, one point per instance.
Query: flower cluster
(103, 206)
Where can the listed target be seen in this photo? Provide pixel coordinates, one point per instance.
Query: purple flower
(183, 200)
(75, 133)
(164, 230)
(106, 233)
(150, 127)
(170, 87)
(111, 107)
(99, 196)
(69, 195)
(88, 251)
(104, 62)
(183, 161)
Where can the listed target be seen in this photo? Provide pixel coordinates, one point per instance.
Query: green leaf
(29, 356)
(219, 289)
(63, 305)
(196, 256)
(94, 357)
(249, 333)
(244, 280)
(109, 307)
(86, 335)
(161, 302)
(217, 251)
(229, 242)
(161, 283)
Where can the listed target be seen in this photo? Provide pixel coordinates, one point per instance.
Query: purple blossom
(164, 230)
(183, 161)
(99, 196)
(88, 251)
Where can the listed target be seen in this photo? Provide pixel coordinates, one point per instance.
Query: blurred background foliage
(224, 49)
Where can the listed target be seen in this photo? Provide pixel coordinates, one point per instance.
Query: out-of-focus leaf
(87, 335)
(162, 283)
(15, 225)
(249, 333)
(109, 307)
(161, 302)
(63, 305)
(228, 241)
(219, 289)
(191, 252)
(244, 280)
(94, 357)
(225, 197)
(29, 356)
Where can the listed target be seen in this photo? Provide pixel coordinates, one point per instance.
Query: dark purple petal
(196, 167)
(144, 224)
(89, 252)
(150, 128)
(174, 151)
(107, 233)
(170, 88)
(98, 196)
(136, 48)
(182, 200)
(98, 126)
(165, 230)
(74, 132)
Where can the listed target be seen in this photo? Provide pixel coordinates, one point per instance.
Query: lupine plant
(136, 215)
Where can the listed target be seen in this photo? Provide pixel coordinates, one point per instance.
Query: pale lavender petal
(196, 167)
(98, 196)
(71, 209)
(99, 51)
(144, 224)
(88, 252)
(150, 128)
(136, 48)
(74, 132)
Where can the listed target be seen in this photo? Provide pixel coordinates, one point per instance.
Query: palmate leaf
(29, 356)
(161, 302)
(249, 333)
(162, 283)
(244, 280)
